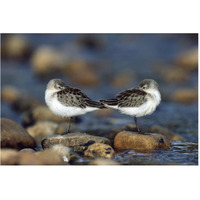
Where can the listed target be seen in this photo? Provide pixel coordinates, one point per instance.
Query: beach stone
(126, 140)
(27, 150)
(66, 153)
(78, 141)
(41, 129)
(166, 132)
(46, 61)
(41, 113)
(82, 73)
(15, 136)
(49, 157)
(16, 47)
(99, 150)
(8, 156)
(25, 103)
(9, 94)
(103, 161)
(28, 158)
(185, 96)
(188, 60)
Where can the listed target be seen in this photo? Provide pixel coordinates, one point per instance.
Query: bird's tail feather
(95, 104)
(110, 102)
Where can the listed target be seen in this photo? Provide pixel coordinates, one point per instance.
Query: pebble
(41, 129)
(82, 73)
(99, 150)
(46, 61)
(185, 96)
(66, 153)
(166, 132)
(78, 141)
(188, 60)
(103, 161)
(27, 150)
(15, 136)
(9, 94)
(41, 113)
(8, 156)
(126, 140)
(15, 47)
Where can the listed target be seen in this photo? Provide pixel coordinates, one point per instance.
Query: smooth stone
(8, 156)
(15, 136)
(185, 96)
(27, 150)
(46, 61)
(41, 113)
(9, 94)
(99, 150)
(42, 129)
(66, 153)
(166, 132)
(103, 161)
(79, 141)
(126, 140)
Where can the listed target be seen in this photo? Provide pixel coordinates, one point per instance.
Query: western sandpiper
(65, 101)
(137, 102)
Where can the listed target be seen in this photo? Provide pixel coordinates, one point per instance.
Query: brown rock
(49, 157)
(42, 129)
(188, 60)
(9, 156)
(15, 47)
(28, 158)
(78, 141)
(166, 132)
(46, 61)
(185, 96)
(14, 136)
(66, 153)
(99, 150)
(41, 113)
(123, 79)
(131, 140)
(103, 161)
(9, 94)
(82, 73)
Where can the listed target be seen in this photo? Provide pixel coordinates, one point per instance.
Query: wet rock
(188, 60)
(166, 132)
(82, 73)
(9, 94)
(185, 96)
(15, 47)
(25, 103)
(49, 157)
(99, 150)
(8, 156)
(123, 79)
(78, 141)
(103, 161)
(42, 129)
(15, 136)
(46, 61)
(41, 113)
(66, 153)
(174, 74)
(27, 150)
(131, 140)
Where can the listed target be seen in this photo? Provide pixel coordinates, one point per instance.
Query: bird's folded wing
(131, 98)
(74, 97)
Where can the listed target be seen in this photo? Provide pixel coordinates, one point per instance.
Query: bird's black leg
(68, 130)
(139, 131)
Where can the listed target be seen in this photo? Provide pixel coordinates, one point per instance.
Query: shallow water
(139, 54)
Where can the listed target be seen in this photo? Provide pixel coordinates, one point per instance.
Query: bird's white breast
(61, 110)
(153, 100)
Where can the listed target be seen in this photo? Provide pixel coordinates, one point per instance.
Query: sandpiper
(65, 101)
(137, 102)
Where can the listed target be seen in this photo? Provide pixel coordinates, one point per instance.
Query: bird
(66, 101)
(137, 102)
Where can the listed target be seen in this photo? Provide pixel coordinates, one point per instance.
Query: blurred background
(102, 65)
